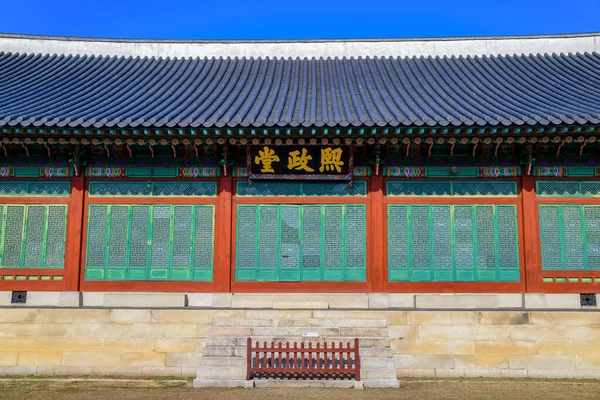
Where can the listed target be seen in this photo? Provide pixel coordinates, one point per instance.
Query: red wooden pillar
(376, 274)
(73, 264)
(531, 236)
(222, 265)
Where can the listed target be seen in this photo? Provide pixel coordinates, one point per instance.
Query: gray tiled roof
(103, 91)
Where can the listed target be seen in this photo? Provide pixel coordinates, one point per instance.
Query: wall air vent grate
(19, 298)
(588, 299)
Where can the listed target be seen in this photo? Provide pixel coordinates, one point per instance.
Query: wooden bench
(303, 362)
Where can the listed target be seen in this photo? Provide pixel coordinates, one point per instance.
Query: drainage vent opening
(19, 298)
(588, 299)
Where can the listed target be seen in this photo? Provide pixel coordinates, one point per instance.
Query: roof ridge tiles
(357, 47)
(69, 90)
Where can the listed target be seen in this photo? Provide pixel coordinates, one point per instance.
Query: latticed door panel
(33, 236)
(441, 243)
(268, 244)
(301, 243)
(182, 240)
(247, 238)
(290, 242)
(150, 242)
(570, 237)
(333, 241)
(356, 241)
(311, 242)
(464, 243)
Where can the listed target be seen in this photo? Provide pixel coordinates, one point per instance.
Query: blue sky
(289, 19)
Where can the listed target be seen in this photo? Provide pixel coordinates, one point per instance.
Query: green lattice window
(35, 188)
(568, 188)
(152, 189)
(443, 243)
(570, 237)
(33, 235)
(150, 242)
(301, 243)
(451, 188)
(280, 188)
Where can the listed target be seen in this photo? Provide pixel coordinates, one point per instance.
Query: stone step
(222, 372)
(227, 383)
(381, 383)
(224, 351)
(376, 363)
(388, 373)
(225, 341)
(300, 339)
(286, 331)
(354, 323)
(289, 383)
(223, 361)
(373, 342)
(229, 331)
(375, 351)
(241, 322)
(241, 341)
(336, 332)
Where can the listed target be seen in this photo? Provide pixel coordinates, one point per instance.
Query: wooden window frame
(216, 285)
(70, 270)
(303, 287)
(536, 274)
(456, 287)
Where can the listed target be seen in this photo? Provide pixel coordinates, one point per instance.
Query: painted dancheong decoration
(355, 173)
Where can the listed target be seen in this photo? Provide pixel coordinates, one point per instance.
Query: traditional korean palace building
(381, 169)
(368, 166)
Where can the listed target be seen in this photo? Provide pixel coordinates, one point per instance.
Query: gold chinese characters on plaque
(300, 162)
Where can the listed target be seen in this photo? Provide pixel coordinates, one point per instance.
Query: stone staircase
(223, 363)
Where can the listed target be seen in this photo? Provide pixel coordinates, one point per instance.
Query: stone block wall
(535, 344)
(102, 341)
(144, 342)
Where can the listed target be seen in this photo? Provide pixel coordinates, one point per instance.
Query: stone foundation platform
(395, 343)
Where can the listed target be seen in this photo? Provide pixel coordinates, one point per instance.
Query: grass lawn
(467, 389)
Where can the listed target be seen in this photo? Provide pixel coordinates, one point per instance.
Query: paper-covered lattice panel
(151, 189)
(35, 231)
(485, 236)
(246, 237)
(56, 236)
(356, 241)
(451, 188)
(398, 237)
(290, 236)
(140, 236)
(333, 237)
(463, 236)
(311, 237)
(182, 236)
(35, 188)
(418, 188)
(283, 188)
(550, 237)
(442, 236)
(268, 244)
(573, 236)
(507, 236)
(203, 243)
(568, 188)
